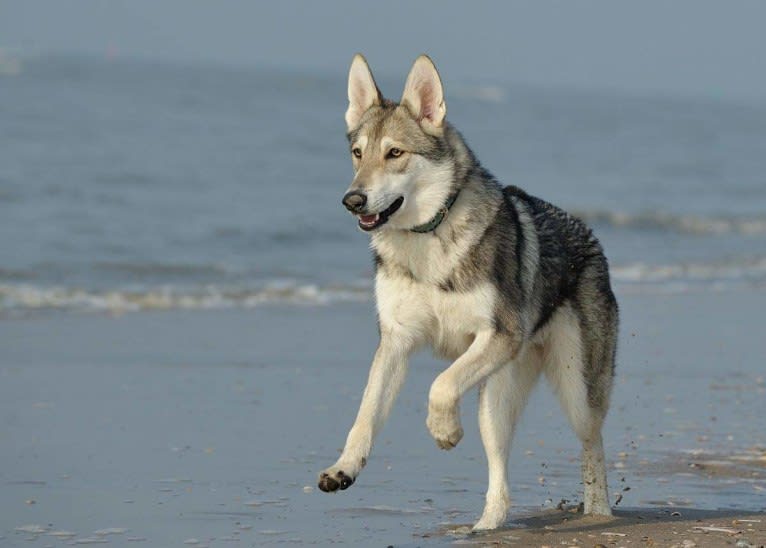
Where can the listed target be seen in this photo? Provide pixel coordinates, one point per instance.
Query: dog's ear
(423, 94)
(362, 91)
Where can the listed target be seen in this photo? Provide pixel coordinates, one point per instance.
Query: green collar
(438, 218)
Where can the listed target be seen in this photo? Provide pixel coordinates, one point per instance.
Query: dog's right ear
(362, 91)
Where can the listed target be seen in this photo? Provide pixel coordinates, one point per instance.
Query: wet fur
(507, 287)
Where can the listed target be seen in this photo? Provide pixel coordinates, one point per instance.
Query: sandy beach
(638, 527)
(208, 427)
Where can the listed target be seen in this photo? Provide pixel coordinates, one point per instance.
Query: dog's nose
(354, 201)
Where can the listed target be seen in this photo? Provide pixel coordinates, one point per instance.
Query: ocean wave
(30, 297)
(632, 278)
(157, 268)
(752, 272)
(684, 224)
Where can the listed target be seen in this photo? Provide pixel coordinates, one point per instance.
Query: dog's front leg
(488, 352)
(386, 378)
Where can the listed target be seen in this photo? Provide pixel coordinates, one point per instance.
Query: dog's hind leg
(582, 387)
(502, 397)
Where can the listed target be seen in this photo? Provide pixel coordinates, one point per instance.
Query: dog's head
(400, 156)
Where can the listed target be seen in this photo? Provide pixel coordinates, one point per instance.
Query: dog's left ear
(423, 94)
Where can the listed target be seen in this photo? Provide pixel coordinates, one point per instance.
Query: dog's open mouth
(370, 222)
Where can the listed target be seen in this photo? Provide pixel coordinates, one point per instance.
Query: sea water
(131, 185)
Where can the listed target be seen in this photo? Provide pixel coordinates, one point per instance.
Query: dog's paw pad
(446, 444)
(449, 441)
(332, 481)
(444, 425)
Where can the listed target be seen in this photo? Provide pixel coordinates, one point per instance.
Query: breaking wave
(636, 277)
(684, 224)
(688, 276)
(21, 297)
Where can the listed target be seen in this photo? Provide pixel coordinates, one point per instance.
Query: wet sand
(668, 527)
(209, 427)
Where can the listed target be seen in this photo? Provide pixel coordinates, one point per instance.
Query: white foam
(110, 531)
(25, 297)
(684, 224)
(633, 277)
(34, 529)
(742, 271)
(65, 535)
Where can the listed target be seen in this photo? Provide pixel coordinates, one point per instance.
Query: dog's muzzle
(356, 203)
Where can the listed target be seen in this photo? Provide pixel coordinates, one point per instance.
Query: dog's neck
(430, 257)
(437, 219)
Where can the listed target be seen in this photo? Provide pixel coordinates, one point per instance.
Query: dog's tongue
(368, 219)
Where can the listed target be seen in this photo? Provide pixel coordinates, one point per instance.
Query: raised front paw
(334, 478)
(445, 427)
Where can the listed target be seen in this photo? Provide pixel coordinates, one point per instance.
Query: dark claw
(345, 481)
(328, 484)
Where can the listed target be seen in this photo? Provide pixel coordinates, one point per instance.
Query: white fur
(361, 143)
(501, 401)
(410, 315)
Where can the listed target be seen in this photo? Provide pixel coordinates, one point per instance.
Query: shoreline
(668, 526)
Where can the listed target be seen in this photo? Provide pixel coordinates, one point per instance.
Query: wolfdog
(502, 284)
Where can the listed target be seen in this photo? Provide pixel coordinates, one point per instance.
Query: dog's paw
(495, 513)
(334, 478)
(489, 523)
(445, 428)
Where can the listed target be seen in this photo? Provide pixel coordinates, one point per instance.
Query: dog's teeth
(369, 219)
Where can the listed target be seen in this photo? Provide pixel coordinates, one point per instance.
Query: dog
(503, 284)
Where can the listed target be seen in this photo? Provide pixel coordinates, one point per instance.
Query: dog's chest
(457, 317)
(413, 293)
(446, 320)
(426, 259)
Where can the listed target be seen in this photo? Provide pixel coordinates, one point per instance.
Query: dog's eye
(357, 152)
(394, 153)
